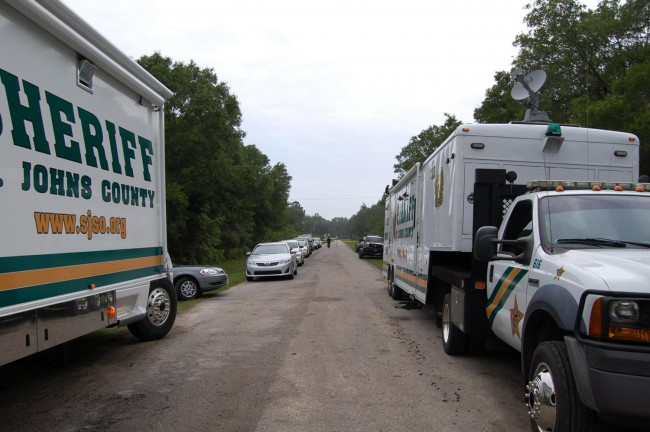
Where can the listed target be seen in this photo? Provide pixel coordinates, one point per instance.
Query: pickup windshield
(588, 221)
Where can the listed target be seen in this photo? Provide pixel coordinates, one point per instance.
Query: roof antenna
(528, 87)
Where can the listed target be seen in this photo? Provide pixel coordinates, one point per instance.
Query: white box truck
(82, 185)
(565, 280)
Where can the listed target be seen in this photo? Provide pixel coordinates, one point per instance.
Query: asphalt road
(327, 351)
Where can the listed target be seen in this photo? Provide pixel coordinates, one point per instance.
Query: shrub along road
(326, 351)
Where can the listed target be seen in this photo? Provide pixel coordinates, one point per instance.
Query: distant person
(328, 240)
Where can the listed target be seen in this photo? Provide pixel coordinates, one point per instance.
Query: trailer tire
(453, 339)
(550, 375)
(160, 316)
(396, 292)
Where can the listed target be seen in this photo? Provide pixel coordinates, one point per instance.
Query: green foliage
(222, 195)
(422, 145)
(368, 220)
(597, 64)
(498, 106)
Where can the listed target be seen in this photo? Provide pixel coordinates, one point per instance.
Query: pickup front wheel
(551, 395)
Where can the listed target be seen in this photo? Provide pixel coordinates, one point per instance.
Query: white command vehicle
(81, 184)
(565, 279)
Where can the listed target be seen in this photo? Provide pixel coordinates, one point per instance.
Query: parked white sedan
(271, 260)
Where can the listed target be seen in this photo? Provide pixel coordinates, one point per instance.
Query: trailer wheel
(187, 288)
(551, 395)
(161, 313)
(453, 340)
(392, 289)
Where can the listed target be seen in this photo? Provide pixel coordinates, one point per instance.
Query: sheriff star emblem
(515, 318)
(558, 273)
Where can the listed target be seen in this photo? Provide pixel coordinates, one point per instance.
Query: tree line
(224, 196)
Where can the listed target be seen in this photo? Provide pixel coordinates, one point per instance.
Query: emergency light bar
(561, 185)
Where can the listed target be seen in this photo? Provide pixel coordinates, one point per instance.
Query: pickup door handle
(534, 282)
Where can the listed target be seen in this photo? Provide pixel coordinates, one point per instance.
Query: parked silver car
(271, 260)
(297, 251)
(192, 281)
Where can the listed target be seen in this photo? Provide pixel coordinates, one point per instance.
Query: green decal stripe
(411, 278)
(18, 296)
(33, 262)
(509, 280)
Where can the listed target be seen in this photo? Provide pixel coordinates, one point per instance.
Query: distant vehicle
(318, 243)
(271, 260)
(309, 239)
(297, 250)
(192, 281)
(304, 246)
(371, 245)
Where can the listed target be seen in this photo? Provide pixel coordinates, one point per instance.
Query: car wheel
(249, 278)
(187, 288)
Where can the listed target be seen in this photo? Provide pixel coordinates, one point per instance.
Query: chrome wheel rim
(445, 322)
(541, 399)
(158, 307)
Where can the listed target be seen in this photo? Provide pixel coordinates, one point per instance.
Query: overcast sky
(332, 89)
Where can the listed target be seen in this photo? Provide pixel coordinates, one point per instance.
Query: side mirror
(485, 247)
(485, 243)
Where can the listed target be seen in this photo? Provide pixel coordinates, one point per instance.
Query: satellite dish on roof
(527, 86)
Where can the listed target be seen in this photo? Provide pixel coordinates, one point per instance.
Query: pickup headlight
(285, 261)
(619, 319)
(624, 311)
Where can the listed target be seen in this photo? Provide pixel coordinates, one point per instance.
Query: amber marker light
(618, 188)
(629, 334)
(596, 188)
(111, 312)
(479, 284)
(596, 319)
(465, 129)
(632, 139)
(559, 189)
(92, 286)
(639, 189)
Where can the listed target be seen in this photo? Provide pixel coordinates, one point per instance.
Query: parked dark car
(192, 281)
(371, 245)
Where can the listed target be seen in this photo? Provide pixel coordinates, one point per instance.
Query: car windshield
(575, 221)
(293, 244)
(374, 239)
(301, 243)
(267, 249)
